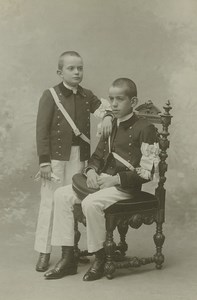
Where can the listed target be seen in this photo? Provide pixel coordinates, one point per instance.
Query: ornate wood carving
(135, 220)
(160, 191)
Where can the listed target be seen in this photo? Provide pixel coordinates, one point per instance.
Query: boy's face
(121, 104)
(72, 71)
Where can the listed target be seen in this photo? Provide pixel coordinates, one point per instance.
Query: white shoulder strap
(118, 157)
(123, 161)
(67, 117)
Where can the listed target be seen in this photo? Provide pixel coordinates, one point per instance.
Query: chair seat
(139, 201)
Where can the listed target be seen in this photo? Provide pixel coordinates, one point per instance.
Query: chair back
(150, 112)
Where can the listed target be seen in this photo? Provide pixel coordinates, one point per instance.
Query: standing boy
(117, 169)
(62, 148)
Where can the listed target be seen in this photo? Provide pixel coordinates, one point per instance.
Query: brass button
(129, 144)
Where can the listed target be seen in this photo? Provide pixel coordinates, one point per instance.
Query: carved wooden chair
(144, 208)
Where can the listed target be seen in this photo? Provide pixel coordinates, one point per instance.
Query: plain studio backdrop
(152, 42)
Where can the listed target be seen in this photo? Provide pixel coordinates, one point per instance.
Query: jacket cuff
(109, 113)
(89, 168)
(44, 159)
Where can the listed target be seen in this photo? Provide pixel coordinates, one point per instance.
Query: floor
(177, 279)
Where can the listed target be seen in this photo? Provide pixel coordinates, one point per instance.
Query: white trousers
(65, 171)
(93, 208)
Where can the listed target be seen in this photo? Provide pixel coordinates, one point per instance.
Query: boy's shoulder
(85, 91)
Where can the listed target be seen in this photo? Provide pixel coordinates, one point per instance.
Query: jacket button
(58, 131)
(130, 127)
(129, 144)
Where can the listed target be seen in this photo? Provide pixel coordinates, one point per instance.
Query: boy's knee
(88, 204)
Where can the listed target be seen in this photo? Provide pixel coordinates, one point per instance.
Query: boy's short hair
(130, 86)
(66, 53)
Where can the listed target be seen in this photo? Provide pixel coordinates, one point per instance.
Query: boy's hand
(45, 173)
(105, 182)
(106, 126)
(92, 179)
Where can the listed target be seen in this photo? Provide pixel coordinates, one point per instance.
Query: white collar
(125, 118)
(74, 89)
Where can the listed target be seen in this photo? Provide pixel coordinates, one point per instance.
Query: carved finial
(167, 107)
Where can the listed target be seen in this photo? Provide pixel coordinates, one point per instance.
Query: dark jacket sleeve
(94, 101)
(43, 123)
(129, 179)
(96, 160)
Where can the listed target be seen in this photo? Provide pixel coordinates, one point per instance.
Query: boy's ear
(59, 72)
(134, 101)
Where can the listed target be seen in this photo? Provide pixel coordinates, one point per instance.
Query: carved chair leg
(122, 246)
(109, 246)
(159, 239)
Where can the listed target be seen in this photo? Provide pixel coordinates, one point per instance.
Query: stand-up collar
(68, 92)
(129, 122)
(125, 118)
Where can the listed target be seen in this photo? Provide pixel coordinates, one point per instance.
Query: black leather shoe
(60, 271)
(43, 262)
(96, 271)
(66, 266)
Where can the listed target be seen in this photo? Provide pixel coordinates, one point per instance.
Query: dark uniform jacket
(54, 135)
(126, 140)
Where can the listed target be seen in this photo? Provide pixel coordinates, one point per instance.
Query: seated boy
(117, 168)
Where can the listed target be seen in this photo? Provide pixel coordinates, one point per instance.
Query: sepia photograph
(98, 139)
